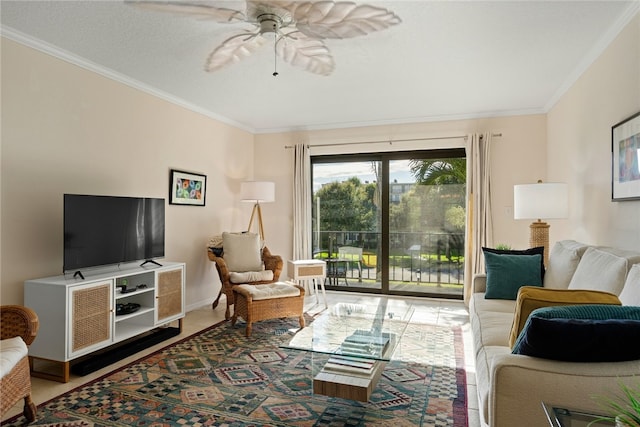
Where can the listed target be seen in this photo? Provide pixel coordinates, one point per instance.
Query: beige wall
(518, 156)
(69, 130)
(65, 129)
(579, 137)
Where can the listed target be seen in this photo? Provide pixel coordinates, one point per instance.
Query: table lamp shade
(540, 201)
(258, 191)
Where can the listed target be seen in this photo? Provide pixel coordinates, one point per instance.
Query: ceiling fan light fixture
(269, 23)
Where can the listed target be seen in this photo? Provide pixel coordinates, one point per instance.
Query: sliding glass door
(391, 222)
(347, 221)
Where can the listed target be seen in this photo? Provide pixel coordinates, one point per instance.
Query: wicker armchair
(271, 262)
(18, 321)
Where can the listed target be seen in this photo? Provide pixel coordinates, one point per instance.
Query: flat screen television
(107, 230)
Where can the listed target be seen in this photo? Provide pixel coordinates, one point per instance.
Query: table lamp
(257, 192)
(540, 201)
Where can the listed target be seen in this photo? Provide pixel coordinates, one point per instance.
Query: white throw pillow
(630, 294)
(242, 251)
(563, 261)
(600, 271)
(251, 276)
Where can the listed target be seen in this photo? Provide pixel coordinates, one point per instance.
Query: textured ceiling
(446, 60)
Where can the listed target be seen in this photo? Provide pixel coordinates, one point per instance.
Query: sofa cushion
(581, 333)
(563, 261)
(242, 251)
(532, 298)
(490, 321)
(600, 270)
(507, 273)
(531, 251)
(630, 294)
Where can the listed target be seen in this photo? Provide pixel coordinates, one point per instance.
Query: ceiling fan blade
(233, 50)
(201, 11)
(305, 52)
(341, 20)
(271, 6)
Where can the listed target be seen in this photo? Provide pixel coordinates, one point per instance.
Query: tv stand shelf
(78, 316)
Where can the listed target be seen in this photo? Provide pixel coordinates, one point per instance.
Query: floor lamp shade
(540, 201)
(257, 192)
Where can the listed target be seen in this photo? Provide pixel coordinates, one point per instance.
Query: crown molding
(596, 51)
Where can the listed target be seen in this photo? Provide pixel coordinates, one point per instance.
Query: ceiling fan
(298, 28)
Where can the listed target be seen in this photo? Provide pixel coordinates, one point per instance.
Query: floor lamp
(540, 201)
(257, 192)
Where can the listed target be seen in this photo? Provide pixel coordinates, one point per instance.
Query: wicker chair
(18, 321)
(271, 262)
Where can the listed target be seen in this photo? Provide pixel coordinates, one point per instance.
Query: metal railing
(414, 257)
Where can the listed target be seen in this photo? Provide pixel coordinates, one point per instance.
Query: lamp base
(539, 236)
(256, 209)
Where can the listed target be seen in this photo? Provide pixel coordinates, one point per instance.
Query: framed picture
(187, 188)
(625, 156)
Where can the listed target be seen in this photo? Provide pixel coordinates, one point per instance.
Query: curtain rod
(391, 141)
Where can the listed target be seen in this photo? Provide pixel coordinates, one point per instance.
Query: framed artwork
(625, 156)
(186, 188)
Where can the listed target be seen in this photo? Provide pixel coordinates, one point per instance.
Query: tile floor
(443, 312)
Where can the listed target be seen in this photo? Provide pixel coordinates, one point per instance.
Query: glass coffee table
(565, 417)
(359, 340)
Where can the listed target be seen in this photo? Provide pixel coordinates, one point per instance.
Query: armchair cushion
(242, 252)
(11, 351)
(250, 276)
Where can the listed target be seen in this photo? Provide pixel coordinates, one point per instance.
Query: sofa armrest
(479, 283)
(519, 385)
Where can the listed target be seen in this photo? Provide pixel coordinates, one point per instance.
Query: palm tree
(439, 171)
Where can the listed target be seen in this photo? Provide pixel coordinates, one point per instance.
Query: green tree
(347, 206)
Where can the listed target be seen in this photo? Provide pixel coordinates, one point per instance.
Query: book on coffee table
(356, 362)
(349, 365)
(366, 344)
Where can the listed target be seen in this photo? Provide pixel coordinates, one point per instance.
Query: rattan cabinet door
(169, 295)
(91, 317)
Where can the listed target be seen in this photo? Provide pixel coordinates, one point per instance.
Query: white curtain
(301, 202)
(479, 230)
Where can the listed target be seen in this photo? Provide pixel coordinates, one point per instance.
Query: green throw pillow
(506, 274)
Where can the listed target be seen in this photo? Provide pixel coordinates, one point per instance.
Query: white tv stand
(78, 316)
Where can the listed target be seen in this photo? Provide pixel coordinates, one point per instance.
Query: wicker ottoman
(269, 301)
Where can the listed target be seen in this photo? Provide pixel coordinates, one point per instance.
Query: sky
(338, 172)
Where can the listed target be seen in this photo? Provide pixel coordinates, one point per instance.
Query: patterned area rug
(218, 377)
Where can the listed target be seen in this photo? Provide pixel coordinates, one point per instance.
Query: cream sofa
(510, 386)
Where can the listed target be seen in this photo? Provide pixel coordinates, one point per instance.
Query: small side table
(314, 270)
